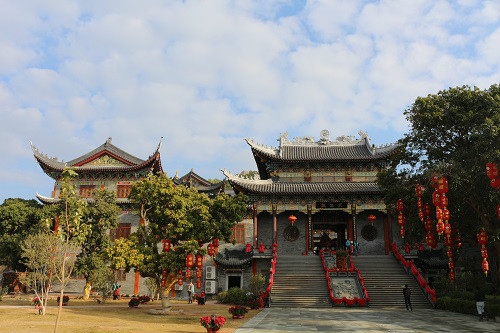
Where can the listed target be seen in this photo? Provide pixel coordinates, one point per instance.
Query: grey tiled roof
(233, 257)
(270, 187)
(361, 151)
(112, 149)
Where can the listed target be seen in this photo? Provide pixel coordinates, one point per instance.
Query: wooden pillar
(275, 226)
(137, 276)
(255, 227)
(254, 267)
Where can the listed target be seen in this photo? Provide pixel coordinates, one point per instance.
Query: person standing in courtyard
(407, 295)
(480, 297)
(190, 292)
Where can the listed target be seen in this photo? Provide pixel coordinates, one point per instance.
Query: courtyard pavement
(366, 320)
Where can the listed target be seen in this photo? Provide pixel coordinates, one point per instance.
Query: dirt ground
(114, 316)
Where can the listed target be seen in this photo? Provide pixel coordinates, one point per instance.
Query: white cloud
(205, 74)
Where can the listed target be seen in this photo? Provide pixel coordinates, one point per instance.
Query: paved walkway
(366, 320)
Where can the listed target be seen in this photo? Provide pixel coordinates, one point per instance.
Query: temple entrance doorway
(329, 230)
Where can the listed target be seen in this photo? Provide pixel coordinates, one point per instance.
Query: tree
(40, 252)
(453, 133)
(103, 279)
(72, 231)
(18, 219)
(101, 216)
(183, 216)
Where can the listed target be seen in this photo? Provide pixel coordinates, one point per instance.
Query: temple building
(106, 167)
(329, 186)
(193, 180)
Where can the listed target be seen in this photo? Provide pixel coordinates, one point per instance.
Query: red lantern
(210, 250)
(447, 229)
(188, 273)
(484, 252)
(452, 275)
(485, 266)
(248, 247)
(371, 218)
(443, 201)
(179, 272)
(439, 213)
(458, 242)
(440, 227)
(427, 209)
(292, 219)
(431, 240)
(419, 203)
(407, 248)
(491, 170)
(401, 220)
(189, 260)
(199, 261)
(198, 284)
(261, 248)
(400, 205)
(198, 273)
(451, 264)
(215, 242)
(420, 246)
(450, 253)
(436, 198)
(442, 185)
(402, 232)
(498, 211)
(179, 281)
(429, 224)
(421, 215)
(166, 245)
(482, 237)
(495, 183)
(434, 182)
(446, 214)
(448, 241)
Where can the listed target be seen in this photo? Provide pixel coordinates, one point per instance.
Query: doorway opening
(330, 230)
(233, 280)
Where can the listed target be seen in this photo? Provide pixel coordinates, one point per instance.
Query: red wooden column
(255, 227)
(275, 226)
(137, 276)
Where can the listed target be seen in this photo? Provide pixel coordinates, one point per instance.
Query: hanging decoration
(443, 214)
(189, 260)
(419, 191)
(401, 218)
(482, 239)
(198, 273)
(292, 219)
(210, 249)
(198, 284)
(188, 273)
(215, 243)
(199, 261)
(372, 218)
(248, 247)
(167, 245)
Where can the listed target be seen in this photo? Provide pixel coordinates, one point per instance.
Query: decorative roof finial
(109, 140)
(159, 145)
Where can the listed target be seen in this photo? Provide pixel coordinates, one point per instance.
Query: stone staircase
(384, 280)
(299, 282)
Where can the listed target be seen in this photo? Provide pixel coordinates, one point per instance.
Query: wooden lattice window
(238, 233)
(123, 231)
(120, 275)
(123, 191)
(87, 191)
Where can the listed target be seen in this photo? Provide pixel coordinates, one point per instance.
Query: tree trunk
(165, 298)
(59, 310)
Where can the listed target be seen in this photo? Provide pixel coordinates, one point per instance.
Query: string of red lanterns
(482, 239)
(401, 218)
(292, 219)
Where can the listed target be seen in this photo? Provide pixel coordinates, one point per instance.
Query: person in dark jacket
(407, 295)
(480, 298)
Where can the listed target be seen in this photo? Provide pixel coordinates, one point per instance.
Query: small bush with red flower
(213, 322)
(36, 302)
(65, 299)
(200, 298)
(238, 310)
(144, 299)
(134, 302)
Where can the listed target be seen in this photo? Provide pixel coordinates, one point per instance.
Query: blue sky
(206, 74)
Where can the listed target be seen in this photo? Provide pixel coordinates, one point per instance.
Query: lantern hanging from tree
(189, 260)
(492, 170)
(428, 224)
(401, 219)
(179, 281)
(482, 239)
(166, 245)
(495, 183)
(431, 240)
(485, 266)
(199, 261)
(198, 284)
(372, 218)
(292, 219)
(440, 227)
(198, 273)
(447, 229)
(163, 278)
(450, 253)
(188, 273)
(442, 185)
(210, 249)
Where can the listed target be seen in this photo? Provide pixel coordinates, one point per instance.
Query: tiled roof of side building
(270, 187)
(345, 148)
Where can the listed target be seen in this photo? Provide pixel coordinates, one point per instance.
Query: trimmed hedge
(468, 306)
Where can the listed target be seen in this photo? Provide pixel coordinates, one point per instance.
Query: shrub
(467, 306)
(257, 284)
(134, 302)
(144, 299)
(65, 299)
(234, 295)
(237, 310)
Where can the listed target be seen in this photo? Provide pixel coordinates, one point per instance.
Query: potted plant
(38, 304)
(212, 323)
(144, 299)
(65, 300)
(341, 259)
(134, 302)
(238, 311)
(200, 298)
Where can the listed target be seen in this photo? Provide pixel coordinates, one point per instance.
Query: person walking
(190, 292)
(480, 297)
(407, 295)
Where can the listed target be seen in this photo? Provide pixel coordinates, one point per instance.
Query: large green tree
(183, 216)
(101, 215)
(453, 133)
(18, 219)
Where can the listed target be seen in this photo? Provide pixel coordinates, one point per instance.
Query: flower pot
(211, 330)
(238, 316)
